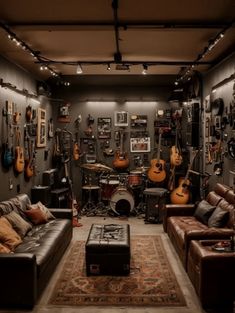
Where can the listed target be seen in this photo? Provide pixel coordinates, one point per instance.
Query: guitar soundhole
(159, 166)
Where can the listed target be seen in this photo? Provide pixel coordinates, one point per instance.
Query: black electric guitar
(157, 172)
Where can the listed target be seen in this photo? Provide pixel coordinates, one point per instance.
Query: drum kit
(118, 193)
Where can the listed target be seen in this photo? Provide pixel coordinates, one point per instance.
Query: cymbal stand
(89, 208)
(101, 208)
(141, 207)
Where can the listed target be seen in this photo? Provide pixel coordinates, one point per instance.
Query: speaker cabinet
(192, 134)
(42, 194)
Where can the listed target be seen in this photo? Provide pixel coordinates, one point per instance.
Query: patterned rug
(151, 282)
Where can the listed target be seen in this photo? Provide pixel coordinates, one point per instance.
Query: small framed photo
(140, 144)
(121, 118)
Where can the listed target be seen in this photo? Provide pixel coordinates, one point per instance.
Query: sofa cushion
(8, 236)
(36, 216)
(4, 249)
(219, 217)
(18, 223)
(42, 207)
(204, 211)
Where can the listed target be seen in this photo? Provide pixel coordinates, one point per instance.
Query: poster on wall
(104, 127)
(140, 144)
(121, 118)
(41, 128)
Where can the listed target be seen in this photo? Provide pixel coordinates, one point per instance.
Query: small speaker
(48, 177)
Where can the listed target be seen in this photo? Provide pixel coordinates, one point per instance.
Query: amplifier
(48, 177)
(42, 194)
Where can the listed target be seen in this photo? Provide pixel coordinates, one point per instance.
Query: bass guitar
(181, 194)
(121, 160)
(157, 172)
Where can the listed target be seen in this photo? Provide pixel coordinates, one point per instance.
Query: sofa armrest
(18, 272)
(62, 213)
(177, 210)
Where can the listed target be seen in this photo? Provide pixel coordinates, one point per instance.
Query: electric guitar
(19, 154)
(121, 160)
(157, 172)
(29, 163)
(76, 150)
(181, 194)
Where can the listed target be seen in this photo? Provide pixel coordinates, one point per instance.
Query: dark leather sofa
(182, 226)
(26, 272)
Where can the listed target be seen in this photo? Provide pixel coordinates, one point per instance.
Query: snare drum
(107, 187)
(122, 201)
(135, 179)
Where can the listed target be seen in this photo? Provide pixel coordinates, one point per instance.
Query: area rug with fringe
(151, 282)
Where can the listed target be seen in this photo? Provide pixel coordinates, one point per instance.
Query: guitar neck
(159, 146)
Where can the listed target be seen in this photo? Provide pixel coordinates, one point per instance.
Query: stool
(108, 250)
(153, 210)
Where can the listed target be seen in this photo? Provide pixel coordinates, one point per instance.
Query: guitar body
(175, 156)
(76, 153)
(29, 169)
(19, 159)
(181, 194)
(157, 172)
(120, 160)
(7, 157)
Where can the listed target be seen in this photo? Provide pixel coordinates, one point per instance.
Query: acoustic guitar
(121, 160)
(175, 153)
(19, 154)
(157, 172)
(181, 194)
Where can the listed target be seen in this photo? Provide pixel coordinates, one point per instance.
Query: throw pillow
(36, 216)
(219, 218)
(4, 249)
(8, 236)
(41, 206)
(203, 211)
(18, 223)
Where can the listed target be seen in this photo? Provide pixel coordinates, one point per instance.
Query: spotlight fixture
(79, 69)
(108, 67)
(145, 69)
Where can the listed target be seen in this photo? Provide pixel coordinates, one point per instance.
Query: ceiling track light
(79, 69)
(145, 69)
(108, 67)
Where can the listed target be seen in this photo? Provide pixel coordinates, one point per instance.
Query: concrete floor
(138, 227)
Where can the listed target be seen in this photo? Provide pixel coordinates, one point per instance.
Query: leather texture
(182, 227)
(212, 275)
(108, 250)
(26, 272)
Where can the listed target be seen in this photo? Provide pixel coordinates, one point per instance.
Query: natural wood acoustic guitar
(157, 172)
(181, 194)
(19, 154)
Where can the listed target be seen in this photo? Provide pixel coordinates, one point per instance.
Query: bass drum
(122, 201)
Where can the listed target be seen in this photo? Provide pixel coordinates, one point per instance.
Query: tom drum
(107, 187)
(135, 179)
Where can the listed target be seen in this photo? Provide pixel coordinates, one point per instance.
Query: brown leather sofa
(182, 226)
(26, 272)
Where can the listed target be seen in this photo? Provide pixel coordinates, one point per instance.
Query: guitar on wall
(121, 160)
(7, 151)
(175, 160)
(157, 172)
(19, 154)
(181, 194)
(30, 162)
(76, 149)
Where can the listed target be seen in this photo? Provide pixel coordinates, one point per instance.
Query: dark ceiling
(168, 37)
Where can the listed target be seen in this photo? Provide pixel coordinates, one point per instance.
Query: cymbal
(97, 167)
(142, 169)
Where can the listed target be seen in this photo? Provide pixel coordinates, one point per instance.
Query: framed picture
(104, 127)
(41, 128)
(121, 118)
(140, 144)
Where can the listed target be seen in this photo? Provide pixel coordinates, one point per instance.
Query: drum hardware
(90, 206)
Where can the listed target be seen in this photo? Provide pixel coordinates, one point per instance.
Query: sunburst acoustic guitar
(157, 172)
(121, 160)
